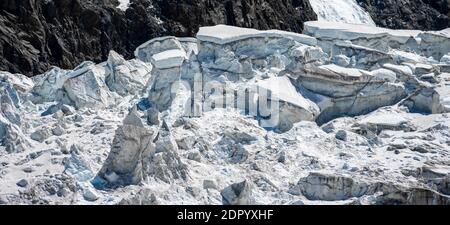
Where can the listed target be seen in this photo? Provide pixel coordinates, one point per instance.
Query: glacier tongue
(347, 11)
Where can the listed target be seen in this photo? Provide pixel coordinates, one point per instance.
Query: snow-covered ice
(347, 11)
(372, 130)
(222, 34)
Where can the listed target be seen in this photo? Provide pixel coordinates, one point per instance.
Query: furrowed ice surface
(363, 118)
(347, 11)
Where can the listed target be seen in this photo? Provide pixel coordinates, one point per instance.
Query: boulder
(65, 109)
(22, 183)
(58, 130)
(153, 116)
(341, 135)
(237, 194)
(40, 135)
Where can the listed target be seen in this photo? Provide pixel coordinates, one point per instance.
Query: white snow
(223, 34)
(123, 4)
(169, 58)
(282, 88)
(339, 30)
(342, 71)
(392, 119)
(347, 11)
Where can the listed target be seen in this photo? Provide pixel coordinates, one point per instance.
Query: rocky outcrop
(409, 14)
(38, 34)
(184, 17)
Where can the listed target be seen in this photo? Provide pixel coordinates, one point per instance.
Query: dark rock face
(184, 16)
(443, 6)
(409, 14)
(38, 34)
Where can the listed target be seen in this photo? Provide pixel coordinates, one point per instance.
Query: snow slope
(347, 11)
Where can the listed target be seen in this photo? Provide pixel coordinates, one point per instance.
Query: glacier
(341, 114)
